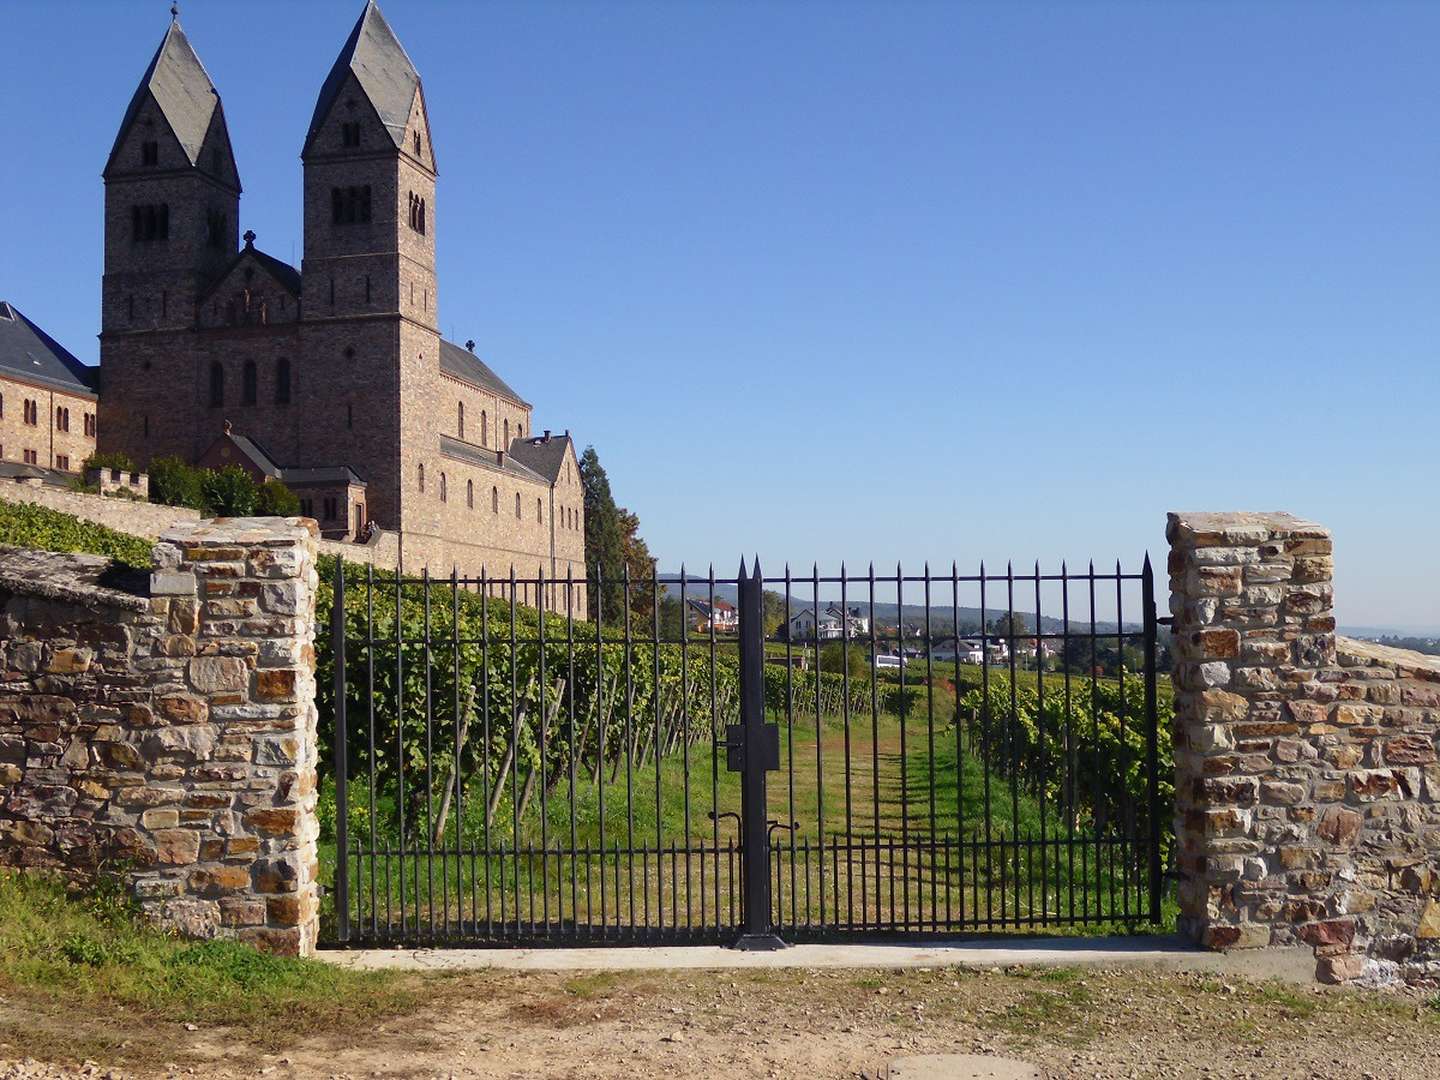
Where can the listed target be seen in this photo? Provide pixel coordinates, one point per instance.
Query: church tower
(369, 301)
(172, 202)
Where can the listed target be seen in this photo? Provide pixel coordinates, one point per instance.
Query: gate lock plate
(766, 748)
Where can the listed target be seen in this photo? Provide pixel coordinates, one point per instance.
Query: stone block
(273, 821)
(211, 674)
(1339, 969)
(173, 583)
(218, 880)
(177, 847)
(276, 684)
(71, 661)
(1339, 826)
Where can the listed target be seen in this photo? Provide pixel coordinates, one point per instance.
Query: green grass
(90, 951)
(889, 795)
(24, 525)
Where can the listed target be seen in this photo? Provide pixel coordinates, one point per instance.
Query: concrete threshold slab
(1143, 953)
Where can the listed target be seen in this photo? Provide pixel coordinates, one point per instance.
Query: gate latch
(766, 750)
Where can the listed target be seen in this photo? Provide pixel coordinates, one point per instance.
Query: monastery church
(332, 377)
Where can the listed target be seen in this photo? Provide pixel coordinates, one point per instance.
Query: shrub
(50, 530)
(175, 483)
(276, 500)
(112, 459)
(229, 492)
(840, 659)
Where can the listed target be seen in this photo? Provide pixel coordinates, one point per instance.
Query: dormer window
(149, 153)
(350, 133)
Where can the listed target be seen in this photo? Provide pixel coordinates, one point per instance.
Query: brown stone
(70, 661)
(275, 684)
(1218, 644)
(32, 832)
(273, 821)
(280, 942)
(1308, 712)
(277, 875)
(1409, 750)
(284, 910)
(1328, 932)
(1339, 826)
(215, 880)
(1281, 793)
(116, 755)
(1221, 706)
(183, 709)
(1339, 969)
(242, 911)
(1428, 928)
(177, 847)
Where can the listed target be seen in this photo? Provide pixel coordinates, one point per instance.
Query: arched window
(217, 383)
(484, 429)
(539, 512)
(470, 494)
(517, 504)
(282, 381)
(495, 500)
(444, 497)
(2, 404)
(249, 383)
(421, 474)
(506, 443)
(460, 410)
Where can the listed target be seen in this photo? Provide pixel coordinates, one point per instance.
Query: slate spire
(387, 76)
(182, 90)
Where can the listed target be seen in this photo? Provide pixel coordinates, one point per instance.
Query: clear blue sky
(880, 280)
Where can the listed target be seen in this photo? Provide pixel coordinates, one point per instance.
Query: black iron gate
(742, 760)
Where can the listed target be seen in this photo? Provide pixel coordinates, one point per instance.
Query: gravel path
(817, 1024)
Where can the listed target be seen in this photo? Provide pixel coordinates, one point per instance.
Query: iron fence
(886, 754)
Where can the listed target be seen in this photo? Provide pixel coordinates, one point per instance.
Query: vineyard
(512, 768)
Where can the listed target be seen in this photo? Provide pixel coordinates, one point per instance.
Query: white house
(832, 625)
(722, 615)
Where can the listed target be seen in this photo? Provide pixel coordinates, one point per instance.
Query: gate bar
(758, 935)
(1152, 735)
(342, 831)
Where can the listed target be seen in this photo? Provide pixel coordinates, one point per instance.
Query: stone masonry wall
(1307, 789)
(147, 520)
(168, 733)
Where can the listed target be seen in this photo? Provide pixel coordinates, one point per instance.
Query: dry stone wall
(165, 730)
(1307, 789)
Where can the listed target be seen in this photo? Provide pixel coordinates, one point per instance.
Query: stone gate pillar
(232, 760)
(1307, 791)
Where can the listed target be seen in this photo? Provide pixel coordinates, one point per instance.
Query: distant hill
(914, 614)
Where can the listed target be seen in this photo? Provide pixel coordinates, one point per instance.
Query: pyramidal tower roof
(181, 87)
(382, 67)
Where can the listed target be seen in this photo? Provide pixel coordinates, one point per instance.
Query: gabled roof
(27, 352)
(181, 88)
(477, 455)
(464, 364)
(287, 276)
(545, 454)
(291, 476)
(382, 67)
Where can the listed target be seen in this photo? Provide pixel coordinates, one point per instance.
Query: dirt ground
(806, 1024)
